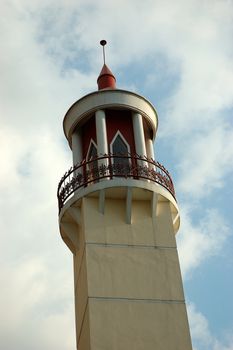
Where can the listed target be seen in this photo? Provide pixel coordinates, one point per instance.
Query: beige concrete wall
(81, 294)
(83, 342)
(128, 286)
(131, 272)
(126, 325)
(112, 228)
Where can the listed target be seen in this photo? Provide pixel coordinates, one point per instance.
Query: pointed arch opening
(92, 162)
(120, 149)
(92, 151)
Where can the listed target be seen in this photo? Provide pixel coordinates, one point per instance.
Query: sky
(178, 54)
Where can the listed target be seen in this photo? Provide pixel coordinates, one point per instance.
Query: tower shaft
(128, 287)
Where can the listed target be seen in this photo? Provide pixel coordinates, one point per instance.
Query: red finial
(106, 79)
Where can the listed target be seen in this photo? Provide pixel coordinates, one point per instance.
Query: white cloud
(199, 326)
(31, 296)
(202, 337)
(198, 242)
(36, 269)
(205, 161)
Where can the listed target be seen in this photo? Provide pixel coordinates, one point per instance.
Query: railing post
(84, 166)
(110, 166)
(135, 166)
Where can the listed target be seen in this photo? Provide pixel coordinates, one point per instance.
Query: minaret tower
(118, 215)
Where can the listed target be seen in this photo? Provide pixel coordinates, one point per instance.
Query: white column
(77, 147)
(101, 136)
(139, 134)
(150, 149)
(101, 132)
(77, 150)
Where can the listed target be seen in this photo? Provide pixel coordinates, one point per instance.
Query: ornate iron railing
(110, 166)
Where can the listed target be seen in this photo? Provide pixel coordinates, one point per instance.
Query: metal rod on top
(103, 43)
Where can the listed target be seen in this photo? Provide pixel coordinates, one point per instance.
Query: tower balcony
(110, 167)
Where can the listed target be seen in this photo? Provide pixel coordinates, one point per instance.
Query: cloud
(198, 242)
(202, 337)
(205, 161)
(37, 305)
(36, 269)
(35, 90)
(199, 327)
